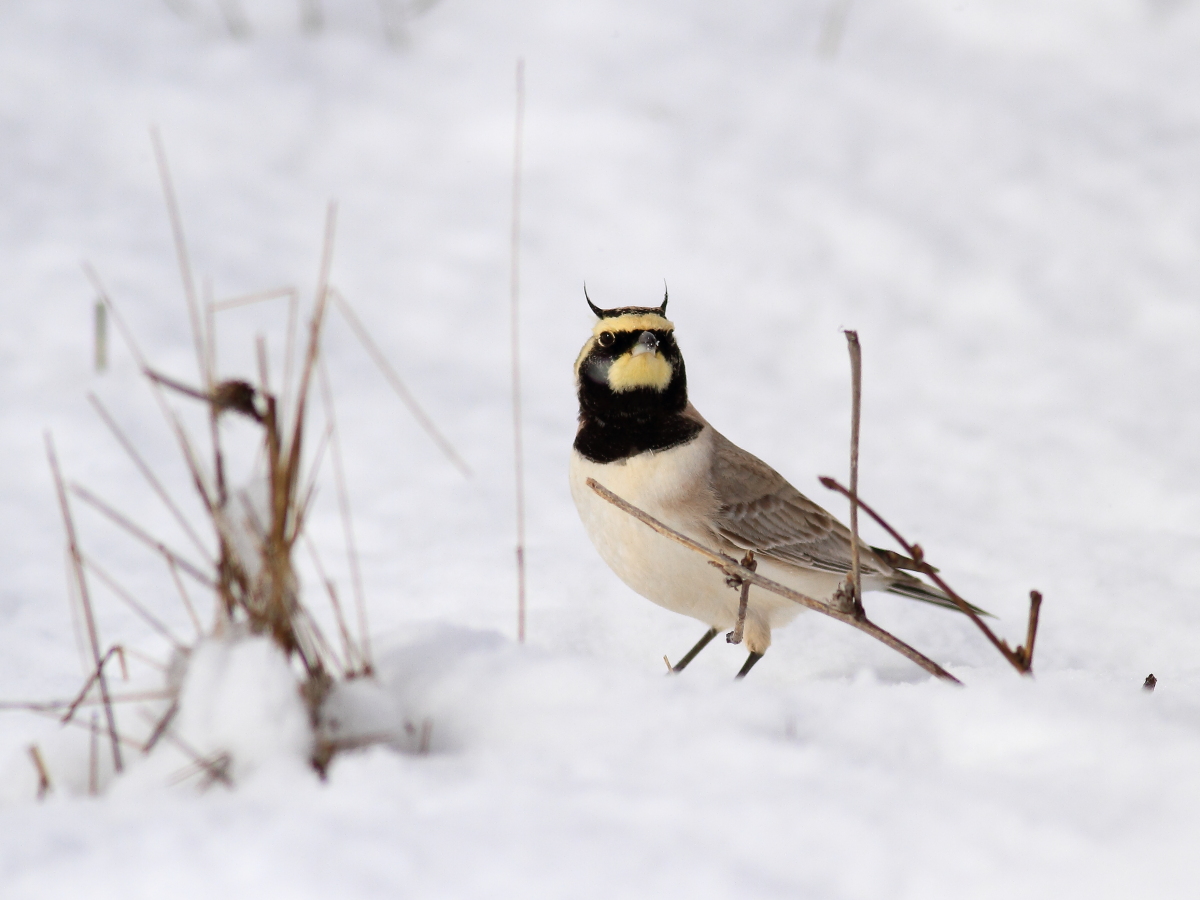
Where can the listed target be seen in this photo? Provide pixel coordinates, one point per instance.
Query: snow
(1002, 198)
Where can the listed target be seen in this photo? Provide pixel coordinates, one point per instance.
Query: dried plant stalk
(85, 599)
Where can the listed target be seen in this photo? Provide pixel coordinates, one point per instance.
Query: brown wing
(758, 510)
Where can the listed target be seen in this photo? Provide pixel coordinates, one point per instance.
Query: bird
(640, 437)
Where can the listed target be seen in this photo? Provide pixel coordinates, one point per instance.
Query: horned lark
(641, 438)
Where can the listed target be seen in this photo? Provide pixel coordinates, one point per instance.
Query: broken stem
(735, 636)
(855, 418)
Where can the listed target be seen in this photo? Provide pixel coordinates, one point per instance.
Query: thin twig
(216, 768)
(149, 475)
(1015, 658)
(304, 504)
(732, 569)
(85, 599)
(1035, 609)
(94, 758)
(209, 368)
(352, 652)
(55, 707)
(252, 298)
(129, 600)
(53, 712)
(97, 673)
(43, 773)
(397, 384)
(181, 252)
(343, 497)
(855, 418)
(183, 595)
(291, 469)
(515, 297)
(185, 445)
(289, 352)
(95, 502)
(161, 726)
(735, 636)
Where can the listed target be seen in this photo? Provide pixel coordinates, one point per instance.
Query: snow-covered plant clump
(262, 681)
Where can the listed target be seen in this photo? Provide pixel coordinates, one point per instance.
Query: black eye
(606, 338)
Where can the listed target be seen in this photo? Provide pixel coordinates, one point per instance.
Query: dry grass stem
(855, 349)
(117, 518)
(185, 445)
(343, 497)
(55, 707)
(1019, 658)
(97, 673)
(217, 767)
(252, 298)
(42, 772)
(94, 758)
(734, 570)
(181, 251)
(397, 383)
(355, 658)
(184, 597)
(85, 600)
(149, 475)
(160, 726)
(129, 600)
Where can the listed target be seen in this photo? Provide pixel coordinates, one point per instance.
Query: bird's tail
(927, 593)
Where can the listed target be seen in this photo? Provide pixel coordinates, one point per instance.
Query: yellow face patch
(641, 322)
(646, 370)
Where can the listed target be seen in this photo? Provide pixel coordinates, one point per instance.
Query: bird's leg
(750, 661)
(735, 636)
(691, 654)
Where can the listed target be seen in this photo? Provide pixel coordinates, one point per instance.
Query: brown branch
(85, 599)
(733, 569)
(1017, 659)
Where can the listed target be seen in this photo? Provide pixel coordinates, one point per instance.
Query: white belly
(671, 486)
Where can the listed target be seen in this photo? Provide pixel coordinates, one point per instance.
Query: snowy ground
(1002, 197)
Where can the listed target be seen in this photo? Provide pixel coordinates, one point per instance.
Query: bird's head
(631, 363)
